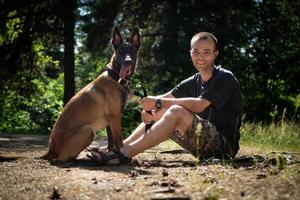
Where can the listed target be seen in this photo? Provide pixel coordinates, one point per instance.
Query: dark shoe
(114, 157)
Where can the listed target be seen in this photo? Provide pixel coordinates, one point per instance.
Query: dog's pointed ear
(116, 38)
(136, 38)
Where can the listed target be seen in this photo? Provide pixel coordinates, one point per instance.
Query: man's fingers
(146, 117)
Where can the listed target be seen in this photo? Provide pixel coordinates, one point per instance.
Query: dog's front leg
(110, 138)
(116, 130)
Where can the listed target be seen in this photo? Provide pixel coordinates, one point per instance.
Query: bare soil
(163, 172)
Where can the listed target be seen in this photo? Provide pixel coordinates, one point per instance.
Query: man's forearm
(195, 105)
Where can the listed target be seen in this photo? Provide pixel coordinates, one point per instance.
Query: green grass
(280, 137)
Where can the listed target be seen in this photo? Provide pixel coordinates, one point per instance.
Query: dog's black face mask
(125, 58)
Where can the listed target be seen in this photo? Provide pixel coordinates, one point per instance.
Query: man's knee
(176, 112)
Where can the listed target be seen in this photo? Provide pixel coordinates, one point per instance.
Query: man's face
(203, 53)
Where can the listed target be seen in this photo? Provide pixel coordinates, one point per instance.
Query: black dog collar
(115, 76)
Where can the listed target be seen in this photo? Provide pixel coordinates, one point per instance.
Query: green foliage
(265, 84)
(22, 26)
(35, 113)
(284, 136)
(12, 30)
(12, 119)
(87, 69)
(32, 103)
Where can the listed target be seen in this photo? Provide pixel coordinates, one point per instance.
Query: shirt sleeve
(183, 89)
(221, 90)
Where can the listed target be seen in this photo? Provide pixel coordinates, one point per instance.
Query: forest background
(50, 49)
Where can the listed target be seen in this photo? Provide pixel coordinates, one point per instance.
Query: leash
(137, 93)
(126, 83)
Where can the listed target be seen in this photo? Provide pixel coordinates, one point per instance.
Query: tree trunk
(69, 24)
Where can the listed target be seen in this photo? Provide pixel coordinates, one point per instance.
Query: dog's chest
(111, 91)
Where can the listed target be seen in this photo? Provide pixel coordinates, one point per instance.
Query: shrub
(33, 113)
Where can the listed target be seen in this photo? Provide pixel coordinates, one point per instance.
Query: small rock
(133, 174)
(242, 193)
(215, 161)
(153, 183)
(118, 189)
(168, 183)
(162, 196)
(165, 173)
(94, 180)
(165, 190)
(164, 184)
(261, 175)
(55, 194)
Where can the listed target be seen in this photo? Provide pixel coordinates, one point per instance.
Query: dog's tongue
(125, 70)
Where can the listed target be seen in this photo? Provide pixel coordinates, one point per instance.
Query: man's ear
(216, 53)
(136, 38)
(116, 38)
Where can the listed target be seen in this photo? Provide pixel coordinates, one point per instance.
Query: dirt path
(164, 172)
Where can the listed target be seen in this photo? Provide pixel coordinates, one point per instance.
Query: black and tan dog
(97, 105)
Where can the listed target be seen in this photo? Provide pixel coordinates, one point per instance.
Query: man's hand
(148, 103)
(147, 117)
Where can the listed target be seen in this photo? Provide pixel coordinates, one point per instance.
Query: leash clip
(124, 82)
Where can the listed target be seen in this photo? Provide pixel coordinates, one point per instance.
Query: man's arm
(166, 95)
(155, 114)
(195, 105)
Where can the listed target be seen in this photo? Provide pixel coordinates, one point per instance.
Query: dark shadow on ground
(88, 164)
(8, 141)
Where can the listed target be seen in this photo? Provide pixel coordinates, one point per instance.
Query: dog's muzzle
(124, 79)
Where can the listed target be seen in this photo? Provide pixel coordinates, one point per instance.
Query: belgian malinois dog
(97, 105)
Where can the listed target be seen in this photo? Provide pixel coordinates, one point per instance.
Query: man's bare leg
(176, 117)
(140, 130)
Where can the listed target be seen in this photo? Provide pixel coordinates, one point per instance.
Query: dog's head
(125, 56)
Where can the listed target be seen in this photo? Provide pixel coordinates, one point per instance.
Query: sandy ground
(163, 172)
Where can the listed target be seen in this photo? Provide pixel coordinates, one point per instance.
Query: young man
(202, 113)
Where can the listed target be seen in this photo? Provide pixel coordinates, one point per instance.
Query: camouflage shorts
(203, 140)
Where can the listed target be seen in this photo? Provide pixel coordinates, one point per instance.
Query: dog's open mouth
(125, 71)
